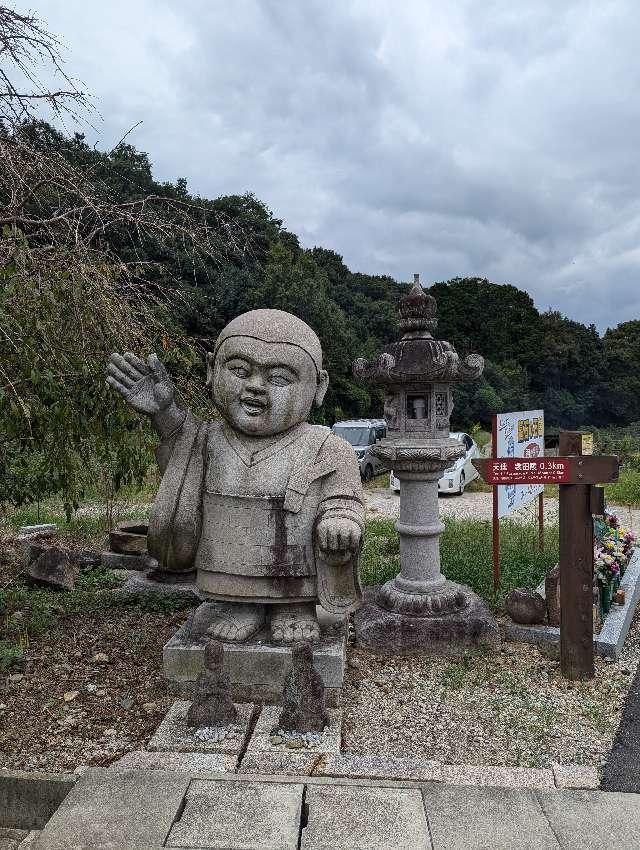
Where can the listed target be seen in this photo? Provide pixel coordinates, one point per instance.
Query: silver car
(363, 434)
(459, 474)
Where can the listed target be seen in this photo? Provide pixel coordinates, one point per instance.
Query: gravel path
(510, 708)
(384, 502)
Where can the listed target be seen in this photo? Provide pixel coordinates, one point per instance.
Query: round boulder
(525, 606)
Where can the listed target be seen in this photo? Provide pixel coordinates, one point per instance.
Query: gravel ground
(384, 502)
(511, 708)
(89, 691)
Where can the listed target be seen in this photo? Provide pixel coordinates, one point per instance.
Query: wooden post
(541, 521)
(576, 571)
(496, 518)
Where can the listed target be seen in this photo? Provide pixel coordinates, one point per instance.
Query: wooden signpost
(579, 500)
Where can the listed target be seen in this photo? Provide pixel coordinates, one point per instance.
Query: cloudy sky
(491, 138)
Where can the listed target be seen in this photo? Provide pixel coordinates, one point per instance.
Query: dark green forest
(533, 359)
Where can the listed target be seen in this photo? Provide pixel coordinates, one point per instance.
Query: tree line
(97, 255)
(533, 358)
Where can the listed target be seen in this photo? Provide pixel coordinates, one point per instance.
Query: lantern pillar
(420, 610)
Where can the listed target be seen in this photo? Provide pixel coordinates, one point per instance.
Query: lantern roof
(418, 357)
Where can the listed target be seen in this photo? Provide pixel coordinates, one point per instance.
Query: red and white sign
(546, 470)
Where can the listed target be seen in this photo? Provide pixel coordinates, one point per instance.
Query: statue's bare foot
(236, 621)
(290, 623)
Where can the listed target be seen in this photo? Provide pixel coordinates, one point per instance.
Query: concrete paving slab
(379, 767)
(593, 820)
(575, 776)
(360, 818)
(499, 777)
(193, 763)
(133, 813)
(173, 734)
(239, 816)
(257, 668)
(487, 819)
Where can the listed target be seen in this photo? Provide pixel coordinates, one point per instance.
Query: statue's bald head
(274, 326)
(266, 372)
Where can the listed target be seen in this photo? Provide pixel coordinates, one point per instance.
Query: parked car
(363, 434)
(461, 473)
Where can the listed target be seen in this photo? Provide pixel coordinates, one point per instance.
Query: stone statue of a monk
(266, 507)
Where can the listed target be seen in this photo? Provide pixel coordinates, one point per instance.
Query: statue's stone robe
(244, 513)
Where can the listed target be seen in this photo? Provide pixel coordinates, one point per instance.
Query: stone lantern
(420, 610)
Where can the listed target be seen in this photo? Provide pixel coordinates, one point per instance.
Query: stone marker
(525, 606)
(266, 507)
(303, 705)
(212, 704)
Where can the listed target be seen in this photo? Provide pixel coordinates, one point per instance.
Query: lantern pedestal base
(461, 632)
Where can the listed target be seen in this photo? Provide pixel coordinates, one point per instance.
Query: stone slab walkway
(136, 809)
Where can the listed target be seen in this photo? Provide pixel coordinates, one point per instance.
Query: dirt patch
(66, 705)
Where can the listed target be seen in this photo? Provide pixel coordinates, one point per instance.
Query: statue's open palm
(145, 386)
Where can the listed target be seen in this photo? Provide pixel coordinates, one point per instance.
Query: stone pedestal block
(456, 633)
(256, 668)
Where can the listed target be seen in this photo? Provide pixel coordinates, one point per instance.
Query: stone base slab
(121, 561)
(459, 633)
(288, 763)
(195, 764)
(610, 641)
(328, 741)
(174, 736)
(140, 583)
(256, 668)
(352, 766)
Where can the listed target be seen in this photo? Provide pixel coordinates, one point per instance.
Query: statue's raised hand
(145, 386)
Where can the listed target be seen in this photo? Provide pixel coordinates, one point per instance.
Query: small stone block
(499, 777)
(364, 819)
(329, 739)
(118, 810)
(173, 734)
(379, 767)
(575, 776)
(192, 763)
(284, 763)
(487, 819)
(43, 528)
(121, 561)
(223, 815)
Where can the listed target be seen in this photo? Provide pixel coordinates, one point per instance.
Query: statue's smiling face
(263, 388)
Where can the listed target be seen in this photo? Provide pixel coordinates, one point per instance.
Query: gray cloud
(497, 139)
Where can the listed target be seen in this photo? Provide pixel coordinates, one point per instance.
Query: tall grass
(466, 555)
